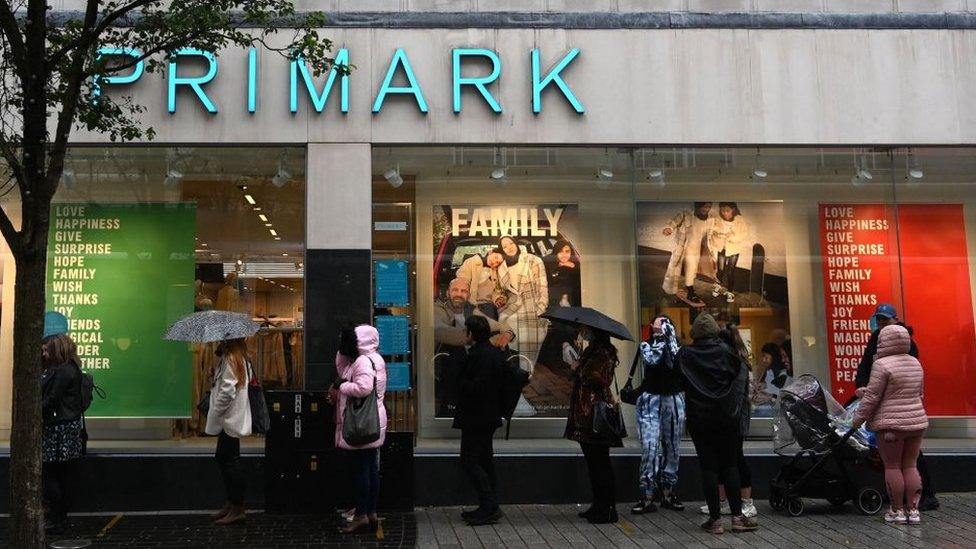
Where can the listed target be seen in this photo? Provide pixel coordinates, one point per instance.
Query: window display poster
(727, 259)
(391, 288)
(867, 249)
(122, 274)
(509, 263)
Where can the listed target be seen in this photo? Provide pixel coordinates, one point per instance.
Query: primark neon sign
(399, 64)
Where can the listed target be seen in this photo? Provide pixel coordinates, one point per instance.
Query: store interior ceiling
(250, 200)
(676, 165)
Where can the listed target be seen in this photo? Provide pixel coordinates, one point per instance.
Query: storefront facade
(792, 175)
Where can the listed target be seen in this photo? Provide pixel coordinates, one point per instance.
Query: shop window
(143, 236)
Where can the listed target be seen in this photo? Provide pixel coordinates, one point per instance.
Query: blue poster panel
(391, 283)
(397, 376)
(394, 334)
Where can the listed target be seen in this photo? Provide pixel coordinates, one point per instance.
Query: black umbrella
(585, 316)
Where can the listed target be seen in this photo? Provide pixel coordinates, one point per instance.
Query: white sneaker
(726, 510)
(914, 517)
(895, 517)
(749, 508)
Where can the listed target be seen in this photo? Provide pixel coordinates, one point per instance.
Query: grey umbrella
(585, 316)
(207, 326)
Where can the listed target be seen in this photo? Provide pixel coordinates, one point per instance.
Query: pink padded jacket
(892, 400)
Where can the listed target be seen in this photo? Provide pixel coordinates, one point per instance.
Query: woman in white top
(229, 418)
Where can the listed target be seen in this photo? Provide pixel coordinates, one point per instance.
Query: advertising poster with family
(727, 259)
(508, 263)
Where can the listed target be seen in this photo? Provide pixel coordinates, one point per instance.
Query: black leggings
(718, 455)
(745, 476)
(56, 479)
(367, 480)
(602, 482)
(228, 457)
(726, 270)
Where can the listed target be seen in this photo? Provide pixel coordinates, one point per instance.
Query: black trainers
(643, 506)
(607, 516)
(672, 502)
(485, 517)
(929, 503)
(468, 514)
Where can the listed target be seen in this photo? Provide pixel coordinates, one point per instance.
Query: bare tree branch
(8, 24)
(87, 39)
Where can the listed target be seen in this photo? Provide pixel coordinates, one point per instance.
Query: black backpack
(512, 381)
(89, 390)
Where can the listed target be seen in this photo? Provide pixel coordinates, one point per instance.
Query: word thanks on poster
(121, 273)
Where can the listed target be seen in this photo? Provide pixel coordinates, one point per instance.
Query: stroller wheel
(794, 507)
(869, 501)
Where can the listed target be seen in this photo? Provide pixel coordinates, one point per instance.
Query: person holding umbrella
(228, 407)
(592, 376)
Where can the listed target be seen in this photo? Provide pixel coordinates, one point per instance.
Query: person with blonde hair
(229, 418)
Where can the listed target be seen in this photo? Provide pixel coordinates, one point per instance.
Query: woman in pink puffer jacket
(359, 366)
(891, 404)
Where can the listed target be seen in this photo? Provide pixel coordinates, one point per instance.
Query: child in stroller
(834, 462)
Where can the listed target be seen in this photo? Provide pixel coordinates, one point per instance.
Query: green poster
(122, 273)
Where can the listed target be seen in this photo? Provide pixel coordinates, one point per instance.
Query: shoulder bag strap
(633, 366)
(373, 364)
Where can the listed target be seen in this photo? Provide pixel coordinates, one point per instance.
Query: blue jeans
(660, 420)
(367, 480)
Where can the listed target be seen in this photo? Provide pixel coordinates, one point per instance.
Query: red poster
(860, 247)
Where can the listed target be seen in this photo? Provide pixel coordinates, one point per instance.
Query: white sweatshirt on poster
(230, 410)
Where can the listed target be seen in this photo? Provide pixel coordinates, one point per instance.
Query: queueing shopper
(592, 376)
(715, 382)
(885, 315)
(730, 335)
(361, 370)
(660, 419)
(229, 418)
(891, 404)
(477, 416)
(61, 437)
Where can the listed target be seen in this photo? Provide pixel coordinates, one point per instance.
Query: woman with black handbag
(360, 416)
(595, 421)
(229, 417)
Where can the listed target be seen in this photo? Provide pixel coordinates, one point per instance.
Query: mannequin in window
(228, 298)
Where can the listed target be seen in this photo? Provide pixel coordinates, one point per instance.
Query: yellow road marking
(111, 524)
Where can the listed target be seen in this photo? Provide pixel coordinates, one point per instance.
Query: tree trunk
(27, 513)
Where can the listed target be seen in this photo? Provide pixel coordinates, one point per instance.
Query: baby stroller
(833, 463)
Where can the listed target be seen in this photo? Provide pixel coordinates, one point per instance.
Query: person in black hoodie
(715, 380)
(886, 315)
(477, 415)
(62, 442)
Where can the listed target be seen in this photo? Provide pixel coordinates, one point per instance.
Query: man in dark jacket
(715, 381)
(886, 315)
(477, 414)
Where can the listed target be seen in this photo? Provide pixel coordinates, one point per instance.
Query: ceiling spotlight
(282, 177)
(68, 178)
(657, 176)
(393, 177)
(604, 172)
(273, 232)
(250, 199)
(759, 174)
(916, 173)
(263, 217)
(499, 174)
(173, 177)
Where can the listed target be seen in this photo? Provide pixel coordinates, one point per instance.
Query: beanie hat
(704, 327)
(54, 324)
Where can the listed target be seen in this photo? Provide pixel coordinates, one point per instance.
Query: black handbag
(608, 421)
(629, 394)
(361, 419)
(260, 418)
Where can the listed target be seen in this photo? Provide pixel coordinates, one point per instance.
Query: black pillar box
(298, 453)
(300, 420)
